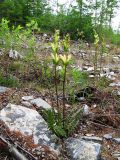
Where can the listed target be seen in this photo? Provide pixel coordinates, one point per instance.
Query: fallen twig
(17, 145)
(13, 150)
(103, 125)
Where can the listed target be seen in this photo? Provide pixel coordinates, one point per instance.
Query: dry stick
(105, 115)
(14, 152)
(18, 146)
(103, 125)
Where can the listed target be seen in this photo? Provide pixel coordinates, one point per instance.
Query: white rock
(14, 54)
(94, 105)
(92, 138)
(117, 140)
(26, 104)
(93, 51)
(118, 93)
(107, 46)
(116, 155)
(79, 149)
(108, 136)
(90, 69)
(44, 35)
(41, 103)
(112, 73)
(106, 70)
(3, 89)
(116, 59)
(91, 76)
(59, 68)
(27, 98)
(117, 84)
(85, 109)
(28, 122)
(1, 52)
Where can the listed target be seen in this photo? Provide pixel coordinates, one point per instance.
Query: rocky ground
(98, 133)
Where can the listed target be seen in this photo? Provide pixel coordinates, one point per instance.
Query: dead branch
(103, 125)
(13, 150)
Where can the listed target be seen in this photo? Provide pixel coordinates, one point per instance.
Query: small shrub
(9, 81)
(15, 66)
(103, 82)
(55, 121)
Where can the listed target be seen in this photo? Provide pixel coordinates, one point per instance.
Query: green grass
(9, 81)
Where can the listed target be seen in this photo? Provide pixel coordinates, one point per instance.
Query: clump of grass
(9, 81)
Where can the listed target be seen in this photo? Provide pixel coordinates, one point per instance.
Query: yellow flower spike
(54, 47)
(55, 58)
(65, 59)
(57, 37)
(96, 38)
(66, 43)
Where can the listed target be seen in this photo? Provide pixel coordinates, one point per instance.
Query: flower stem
(56, 86)
(64, 81)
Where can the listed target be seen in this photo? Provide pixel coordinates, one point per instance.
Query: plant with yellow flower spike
(66, 43)
(95, 61)
(55, 44)
(65, 60)
(61, 123)
(55, 58)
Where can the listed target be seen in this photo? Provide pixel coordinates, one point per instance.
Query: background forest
(77, 16)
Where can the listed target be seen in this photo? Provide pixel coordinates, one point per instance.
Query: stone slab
(79, 149)
(28, 122)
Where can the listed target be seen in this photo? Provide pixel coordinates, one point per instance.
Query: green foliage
(17, 37)
(15, 66)
(72, 120)
(80, 78)
(9, 81)
(68, 20)
(103, 82)
(55, 121)
(61, 122)
(111, 36)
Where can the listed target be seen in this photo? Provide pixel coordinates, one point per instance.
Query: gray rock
(27, 98)
(92, 138)
(117, 84)
(14, 54)
(117, 140)
(107, 46)
(90, 69)
(79, 149)
(41, 103)
(1, 52)
(28, 122)
(108, 136)
(3, 89)
(115, 59)
(85, 109)
(116, 155)
(91, 76)
(26, 104)
(118, 93)
(106, 70)
(93, 51)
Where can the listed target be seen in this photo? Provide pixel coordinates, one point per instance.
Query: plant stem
(95, 66)
(64, 81)
(56, 87)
